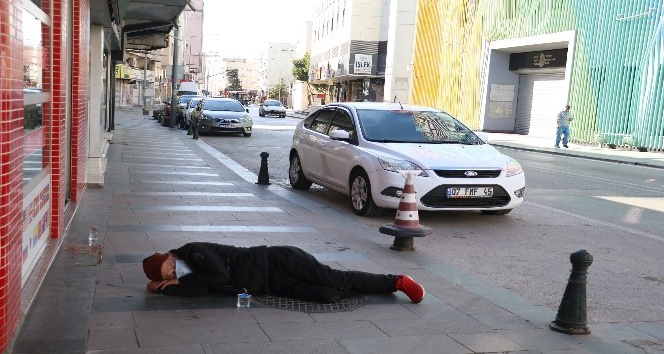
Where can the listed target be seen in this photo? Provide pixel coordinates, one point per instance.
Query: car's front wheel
(360, 195)
(295, 174)
(496, 212)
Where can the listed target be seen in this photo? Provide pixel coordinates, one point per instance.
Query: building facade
(279, 71)
(362, 50)
(248, 74)
(59, 92)
(511, 66)
(301, 92)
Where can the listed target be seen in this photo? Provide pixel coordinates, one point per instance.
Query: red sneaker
(413, 290)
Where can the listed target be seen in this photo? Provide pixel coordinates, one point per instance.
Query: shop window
(35, 97)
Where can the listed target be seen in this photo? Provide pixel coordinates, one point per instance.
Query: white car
(271, 108)
(190, 108)
(365, 150)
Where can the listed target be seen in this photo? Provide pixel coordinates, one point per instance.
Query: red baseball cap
(152, 265)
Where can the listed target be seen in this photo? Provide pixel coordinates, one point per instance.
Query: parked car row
(223, 115)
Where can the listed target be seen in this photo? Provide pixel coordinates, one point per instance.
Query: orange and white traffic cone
(407, 221)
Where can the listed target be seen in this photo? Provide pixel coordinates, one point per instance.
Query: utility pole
(174, 74)
(145, 83)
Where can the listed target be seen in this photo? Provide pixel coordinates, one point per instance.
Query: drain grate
(348, 304)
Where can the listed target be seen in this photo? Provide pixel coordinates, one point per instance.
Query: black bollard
(571, 317)
(263, 176)
(194, 128)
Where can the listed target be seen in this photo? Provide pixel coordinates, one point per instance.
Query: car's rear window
(272, 103)
(414, 127)
(230, 105)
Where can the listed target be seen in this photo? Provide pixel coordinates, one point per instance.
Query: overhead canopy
(147, 23)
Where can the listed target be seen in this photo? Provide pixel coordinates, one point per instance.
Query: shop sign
(363, 63)
(555, 58)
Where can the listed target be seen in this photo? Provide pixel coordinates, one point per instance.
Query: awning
(147, 23)
(348, 77)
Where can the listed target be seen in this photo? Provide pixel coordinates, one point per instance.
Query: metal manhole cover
(348, 304)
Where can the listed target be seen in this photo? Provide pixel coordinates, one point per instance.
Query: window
(35, 97)
(342, 121)
(322, 121)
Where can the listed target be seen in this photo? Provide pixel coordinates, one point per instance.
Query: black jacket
(221, 268)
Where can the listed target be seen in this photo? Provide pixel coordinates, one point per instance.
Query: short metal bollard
(263, 176)
(572, 313)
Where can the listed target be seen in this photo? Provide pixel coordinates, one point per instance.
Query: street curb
(590, 157)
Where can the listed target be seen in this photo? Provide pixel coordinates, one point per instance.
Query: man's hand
(156, 286)
(152, 286)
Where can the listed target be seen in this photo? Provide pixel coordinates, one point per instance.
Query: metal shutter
(540, 99)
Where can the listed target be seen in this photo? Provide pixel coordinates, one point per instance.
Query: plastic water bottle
(93, 237)
(244, 299)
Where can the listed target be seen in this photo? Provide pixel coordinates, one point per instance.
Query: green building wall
(617, 80)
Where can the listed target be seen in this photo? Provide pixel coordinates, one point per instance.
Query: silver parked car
(272, 108)
(225, 115)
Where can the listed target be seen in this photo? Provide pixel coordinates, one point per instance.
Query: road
(611, 210)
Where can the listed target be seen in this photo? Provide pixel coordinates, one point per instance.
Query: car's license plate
(227, 125)
(470, 192)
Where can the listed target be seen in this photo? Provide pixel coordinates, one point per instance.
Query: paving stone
(457, 324)
(321, 330)
(425, 344)
(112, 338)
(178, 335)
(655, 329)
(290, 347)
(486, 342)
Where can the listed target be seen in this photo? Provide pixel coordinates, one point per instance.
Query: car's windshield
(194, 102)
(272, 103)
(230, 105)
(404, 126)
(185, 99)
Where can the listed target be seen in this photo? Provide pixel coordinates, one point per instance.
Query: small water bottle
(93, 236)
(244, 299)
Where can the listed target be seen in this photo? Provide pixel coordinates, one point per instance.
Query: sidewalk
(596, 152)
(164, 189)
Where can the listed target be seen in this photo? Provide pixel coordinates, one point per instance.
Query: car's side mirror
(246, 110)
(339, 135)
(483, 136)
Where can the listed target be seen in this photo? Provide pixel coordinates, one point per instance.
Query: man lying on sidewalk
(284, 271)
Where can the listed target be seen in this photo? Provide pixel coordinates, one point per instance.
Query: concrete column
(400, 47)
(97, 139)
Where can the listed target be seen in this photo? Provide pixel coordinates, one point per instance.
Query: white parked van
(188, 88)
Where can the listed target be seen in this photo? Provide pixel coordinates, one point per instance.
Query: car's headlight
(513, 168)
(205, 117)
(245, 119)
(401, 165)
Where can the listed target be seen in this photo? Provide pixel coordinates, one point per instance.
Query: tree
(279, 90)
(234, 83)
(301, 73)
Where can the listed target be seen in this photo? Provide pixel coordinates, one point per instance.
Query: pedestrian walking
(199, 268)
(562, 122)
